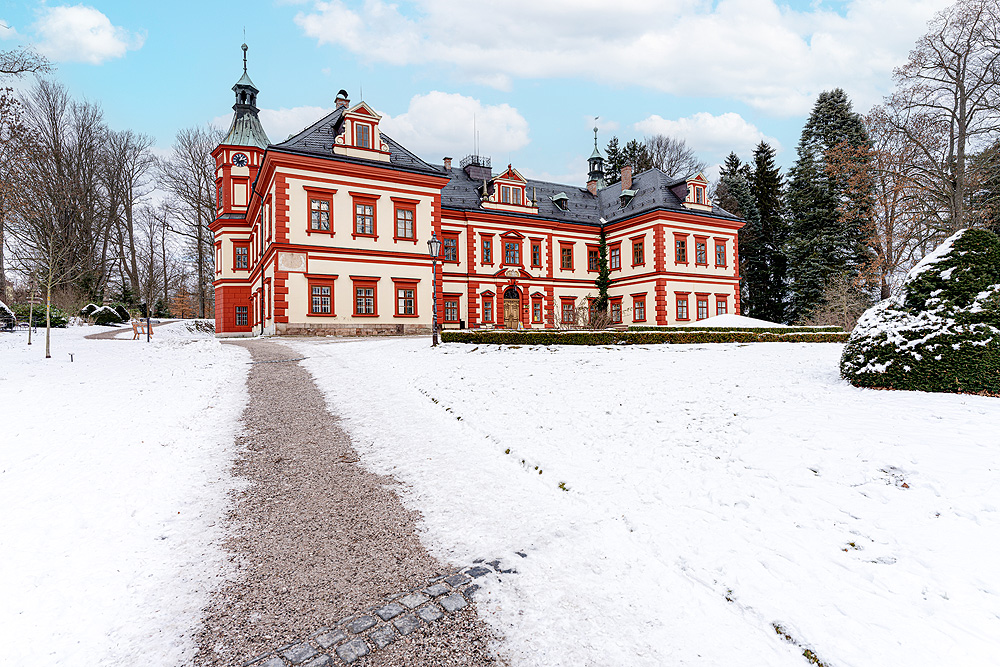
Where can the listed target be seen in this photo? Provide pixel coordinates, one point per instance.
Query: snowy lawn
(114, 473)
(713, 493)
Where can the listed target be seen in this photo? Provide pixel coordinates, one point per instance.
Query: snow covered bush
(89, 310)
(105, 315)
(941, 332)
(7, 319)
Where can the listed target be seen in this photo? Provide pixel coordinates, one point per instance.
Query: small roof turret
(246, 129)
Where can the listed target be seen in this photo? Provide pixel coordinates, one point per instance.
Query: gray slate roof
(318, 138)
(653, 191)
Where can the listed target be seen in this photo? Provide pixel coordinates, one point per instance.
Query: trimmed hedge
(497, 337)
(781, 330)
(942, 331)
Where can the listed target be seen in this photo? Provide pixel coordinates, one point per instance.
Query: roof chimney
(592, 186)
(447, 164)
(342, 100)
(626, 178)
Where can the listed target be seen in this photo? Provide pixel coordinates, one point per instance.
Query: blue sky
(532, 73)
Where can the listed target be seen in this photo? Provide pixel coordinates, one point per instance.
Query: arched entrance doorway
(511, 307)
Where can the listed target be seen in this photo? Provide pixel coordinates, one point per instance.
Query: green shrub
(675, 336)
(106, 315)
(942, 331)
(57, 317)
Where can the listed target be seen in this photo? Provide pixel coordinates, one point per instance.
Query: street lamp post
(434, 247)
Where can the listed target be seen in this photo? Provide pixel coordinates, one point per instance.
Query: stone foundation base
(310, 329)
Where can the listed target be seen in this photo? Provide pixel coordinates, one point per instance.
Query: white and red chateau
(326, 233)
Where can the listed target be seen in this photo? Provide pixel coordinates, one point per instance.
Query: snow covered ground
(114, 473)
(713, 493)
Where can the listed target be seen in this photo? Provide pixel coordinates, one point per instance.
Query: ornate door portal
(511, 308)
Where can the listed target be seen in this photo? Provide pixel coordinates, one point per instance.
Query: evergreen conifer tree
(753, 259)
(613, 162)
(822, 244)
(722, 197)
(603, 281)
(766, 186)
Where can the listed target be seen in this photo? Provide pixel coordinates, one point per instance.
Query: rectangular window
(639, 309)
(702, 307)
(404, 223)
(638, 253)
(406, 301)
(510, 195)
(319, 215)
(241, 316)
(364, 299)
(566, 255)
(699, 195)
(242, 257)
(593, 259)
(616, 311)
(487, 251)
(451, 311)
(488, 310)
(322, 300)
(721, 307)
(568, 312)
(511, 252)
(682, 308)
(681, 253)
(536, 311)
(364, 218)
(701, 252)
(536, 254)
(364, 135)
(449, 246)
(720, 253)
(616, 257)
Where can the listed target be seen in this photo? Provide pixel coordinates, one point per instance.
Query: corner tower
(596, 163)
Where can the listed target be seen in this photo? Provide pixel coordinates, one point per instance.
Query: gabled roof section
(511, 174)
(317, 140)
(653, 189)
(362, 109)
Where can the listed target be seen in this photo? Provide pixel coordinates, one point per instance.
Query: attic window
(626, 197)
(510, 195)
(699, 195)
(561, 201)
(362, 135)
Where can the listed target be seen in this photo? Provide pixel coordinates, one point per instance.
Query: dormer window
(561, 201)
(510, 195)
(699, 194)
(362, 135)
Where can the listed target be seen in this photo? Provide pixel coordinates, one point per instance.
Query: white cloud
(7, 31)
(439, 124)
(83, 34)
(710, 135)
(769, 56)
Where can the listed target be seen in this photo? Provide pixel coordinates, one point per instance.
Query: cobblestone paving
(380, 626)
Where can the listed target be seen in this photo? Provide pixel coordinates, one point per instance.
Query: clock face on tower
(240, 160)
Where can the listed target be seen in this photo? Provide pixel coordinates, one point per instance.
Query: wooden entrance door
(511, 308)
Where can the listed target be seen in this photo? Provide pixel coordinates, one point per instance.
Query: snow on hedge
(713, 492)
(114, 480)
(731, 320)
(941, 331)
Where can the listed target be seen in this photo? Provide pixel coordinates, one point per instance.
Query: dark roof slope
(653, 190)
(318, 138)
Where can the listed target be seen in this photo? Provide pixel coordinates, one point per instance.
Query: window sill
(701, 264)
(310, 231)
(321, 314)
(365, 315)
(405, 239)
(410, 316)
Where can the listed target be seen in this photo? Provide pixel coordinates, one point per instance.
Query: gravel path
(316, 538)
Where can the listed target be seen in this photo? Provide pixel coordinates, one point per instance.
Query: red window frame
(369, 134)
(486, 249)
(406, 206)
(565, 301)
(245, 247)
(615, 251)
(536, 310)
(516, 245)
(320, 281)
(639, 307)
(510, 193)
(594, 267)
(701, 299)
(565, 246)
(488, 314)
(703, 242)
(615, 308)
(402, 285)
(680, 249)
(721, 305)
(450, 238)
(365, 283)
(536, 254)
(364, 199)
(638, 251)
(457, 307)
(319, 195)
(720, 244)
(681, 305)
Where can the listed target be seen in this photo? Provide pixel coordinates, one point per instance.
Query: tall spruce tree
(613, 162)
(722, 197)
(823, 245)
(767, 188)
(753, 261)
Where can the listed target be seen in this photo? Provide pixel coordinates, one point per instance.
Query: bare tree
(844, 302)
(672, 156)
(11, 157)
(20, 61)
(126, 172)
(948, 103)
(189, 175)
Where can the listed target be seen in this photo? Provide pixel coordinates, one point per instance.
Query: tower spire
(596, 161)
(246, 129)
(245, 47)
